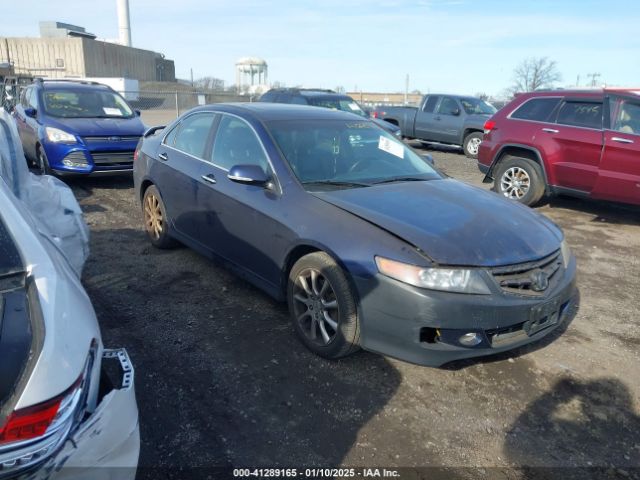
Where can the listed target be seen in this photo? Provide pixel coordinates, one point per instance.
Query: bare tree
(482, 96)
(210, 83)
(535, 73)
(339, 89)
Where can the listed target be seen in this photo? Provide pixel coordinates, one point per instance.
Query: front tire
(520, 179)
(156, 222)
(322, 306)
(471, 144)
(42, 162)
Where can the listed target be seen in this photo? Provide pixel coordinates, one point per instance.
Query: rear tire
(519, 179)
(156, 222)
(322, 306)
(471, 143)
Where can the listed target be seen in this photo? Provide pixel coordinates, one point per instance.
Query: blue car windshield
(347, 152)
(66, 103)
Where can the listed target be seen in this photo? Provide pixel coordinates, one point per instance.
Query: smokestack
(124, 27)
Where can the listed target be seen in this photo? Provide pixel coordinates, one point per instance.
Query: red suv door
(619, 172)
(573, 145)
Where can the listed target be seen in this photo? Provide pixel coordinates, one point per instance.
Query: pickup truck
(448, 119)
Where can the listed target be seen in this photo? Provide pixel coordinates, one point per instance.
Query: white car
(67, 404)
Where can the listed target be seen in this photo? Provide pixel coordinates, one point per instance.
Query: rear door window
(448, 106)
(194, 133)
(580, 114)
(536, 109)
(430, 104)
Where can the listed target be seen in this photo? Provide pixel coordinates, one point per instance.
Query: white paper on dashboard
(112, 111)
(389, 146)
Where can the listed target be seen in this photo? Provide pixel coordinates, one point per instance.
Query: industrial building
(64, 51)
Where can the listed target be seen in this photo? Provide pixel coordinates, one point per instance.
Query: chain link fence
(161, 108)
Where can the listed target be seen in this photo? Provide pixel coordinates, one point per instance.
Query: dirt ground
(222, 380)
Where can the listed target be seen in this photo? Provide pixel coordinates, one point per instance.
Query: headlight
(566, 253)
(460, 280)
(56, 135)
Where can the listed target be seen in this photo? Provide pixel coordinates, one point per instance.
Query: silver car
(67, 404)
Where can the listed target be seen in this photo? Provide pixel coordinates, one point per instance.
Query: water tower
(251, 72)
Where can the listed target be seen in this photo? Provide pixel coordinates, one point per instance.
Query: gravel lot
(222, 380)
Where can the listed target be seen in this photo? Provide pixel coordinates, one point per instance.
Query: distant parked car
(73, 127)
(582, 143)
(67, 404)
(448, 119)
(324, 98)
(368, 243)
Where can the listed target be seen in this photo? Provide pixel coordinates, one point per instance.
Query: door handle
(209, 178)
(163, 156)
(550, 130)
(438, 118)
(621, 140)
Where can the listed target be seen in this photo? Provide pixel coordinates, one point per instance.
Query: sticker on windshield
(391, 147)
(112, 111)
(354, 106)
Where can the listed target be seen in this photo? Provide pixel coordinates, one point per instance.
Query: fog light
(74, 163)
(470, 339)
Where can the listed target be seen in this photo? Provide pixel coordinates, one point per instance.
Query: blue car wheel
(322, 306)
(42, 162)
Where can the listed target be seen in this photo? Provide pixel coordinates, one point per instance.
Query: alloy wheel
(316, 306)
(515, 183)
(473, 145)
(153, 219)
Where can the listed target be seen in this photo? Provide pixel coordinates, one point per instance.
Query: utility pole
(406, 90)
(594, 78)
(192, 78)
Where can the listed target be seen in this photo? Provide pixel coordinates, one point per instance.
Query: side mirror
(248, 174)
(455, 111)
(137, 112)
(428, 158)
(30, 112)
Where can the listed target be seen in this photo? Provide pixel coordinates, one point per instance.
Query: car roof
(265, 111)
(70, 85)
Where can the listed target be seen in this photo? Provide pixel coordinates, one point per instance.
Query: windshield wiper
(400, 179)
(336, 183)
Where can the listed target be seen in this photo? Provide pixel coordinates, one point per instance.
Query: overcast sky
(457, 46)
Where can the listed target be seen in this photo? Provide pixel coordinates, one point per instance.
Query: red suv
(584, 143)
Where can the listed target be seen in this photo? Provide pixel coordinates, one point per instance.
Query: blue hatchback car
(369, 244)
(73, 127)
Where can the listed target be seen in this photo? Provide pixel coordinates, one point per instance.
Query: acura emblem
(115, 139)
(539, 281)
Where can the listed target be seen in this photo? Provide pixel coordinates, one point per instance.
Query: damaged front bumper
(106, 444)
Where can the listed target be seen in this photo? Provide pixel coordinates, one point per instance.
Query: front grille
(124, 159)
(532, 279)
(111, 138)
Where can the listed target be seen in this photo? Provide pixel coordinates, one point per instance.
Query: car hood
(99, 126)
(453, 223)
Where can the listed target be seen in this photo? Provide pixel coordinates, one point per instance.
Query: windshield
(85, 104)
(339, 153)
(475, 106)
(344, 104)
